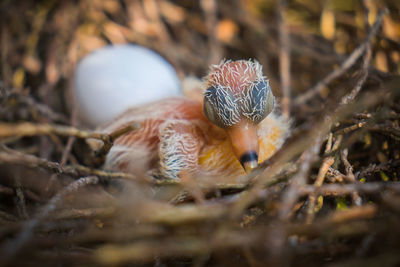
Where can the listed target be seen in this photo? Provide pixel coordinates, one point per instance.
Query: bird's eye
(220, 107)
(259, 102)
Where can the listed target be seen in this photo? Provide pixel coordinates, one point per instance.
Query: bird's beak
(244, 141)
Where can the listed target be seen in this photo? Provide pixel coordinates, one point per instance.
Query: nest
(329, 196)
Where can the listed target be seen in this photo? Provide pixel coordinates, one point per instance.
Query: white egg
(115, 78)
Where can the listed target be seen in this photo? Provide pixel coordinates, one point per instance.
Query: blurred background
(42, 41)
(299, 43)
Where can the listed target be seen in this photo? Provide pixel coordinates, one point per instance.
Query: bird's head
(238, 98)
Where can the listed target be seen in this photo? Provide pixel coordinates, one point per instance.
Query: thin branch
(32, 129)
(14, 95)
(347, 64)
(284, 59)
(374, 168)
(326, 164)
(347, 189)
(11, 156)
(15, 245)
(67, 148)
(291, 195)
(209, 8)
(110, 138)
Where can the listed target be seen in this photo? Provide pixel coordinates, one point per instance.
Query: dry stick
(346, 189)
(143, 251)
(32, 103)
(350, 176)
(21, 203)
(63, 161)
(7, 218)
(292, 193)
(373, 168)
(347, 165)
(15, 245)
(11, 156)
(350, 128)
(15, 157)
(110, 138)
(153, 12)
(335, 176)
(191, 187)
(6, 190)
(32, 129)
(393, 132)
(330, 223)
(284, 59)
(28, 193)
(363, 77)
(328, 146)
(67, 149)
(69, 213)
(326, 163)
(209, 8)
(350, 61)
(337, 143)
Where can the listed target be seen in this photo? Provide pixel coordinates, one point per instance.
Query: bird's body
(177, 127)
(225, 134)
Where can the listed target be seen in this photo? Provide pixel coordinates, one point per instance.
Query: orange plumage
(181, 134)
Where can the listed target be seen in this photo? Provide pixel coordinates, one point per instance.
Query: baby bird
(228, 133)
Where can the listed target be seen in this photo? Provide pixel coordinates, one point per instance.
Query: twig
(66, 150)
(31, 129)
(15, 157)
(21, 205)
(10, 96)
(350, 61)
(389, 130)
(291, 195)
(110, 138)
(350, 128)
(83, 213)
(326, 163)
(183, 214)
(350, 177)
(346, 189)
(373, 168)
(347, 165)
(146, 250)
(284, 59)
(15, 245)
(6, 190)
(209, 8)
(330, 225)
(363, 76)
(337, 143)
(328, 146)
(7, 217)
(152, 9)
(190, 185)
(335, 176)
